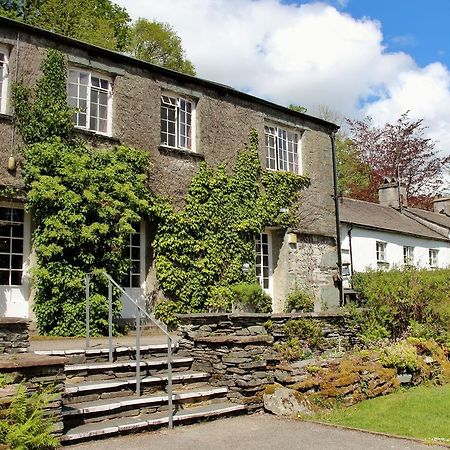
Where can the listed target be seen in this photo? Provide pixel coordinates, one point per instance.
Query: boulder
(282, 401)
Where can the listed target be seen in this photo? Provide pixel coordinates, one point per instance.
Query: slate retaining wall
(237, 349)
(14, 335)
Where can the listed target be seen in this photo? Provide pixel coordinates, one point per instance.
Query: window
(177, 122)
(262, 266)
(408, 255)
(11, 246)
(91, 95)
(433, 256)
(281, 149)
(381, 251)
(3, 79)
(133, 253)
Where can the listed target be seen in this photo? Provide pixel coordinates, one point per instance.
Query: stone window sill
(96, 137)
(180, 152)
(6, 118)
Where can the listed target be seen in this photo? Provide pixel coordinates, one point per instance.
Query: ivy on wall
(84, 203)
(200, 250)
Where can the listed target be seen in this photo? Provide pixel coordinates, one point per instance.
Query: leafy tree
(398, 148)
(157, 43)
(99, 22)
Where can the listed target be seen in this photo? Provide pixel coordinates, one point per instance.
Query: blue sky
(357, 57)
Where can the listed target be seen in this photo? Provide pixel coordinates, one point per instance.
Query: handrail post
(169, 380)
(87, 282)
(110, 320)
(138, 351)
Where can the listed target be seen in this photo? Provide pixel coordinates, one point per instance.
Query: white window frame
(259, 263)
(172, 99)
(133, 275)
(408, 255)
(4, 74)
(279, 160)
(433, 257)
(109, 91)
(380, 249)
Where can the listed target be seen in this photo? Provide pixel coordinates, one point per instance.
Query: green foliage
(84, 201)
(166, 311)
(299, 301)
(220, 299)
(24, 425)
(158, 43)
(401, 356)
(206, 243)
(253, 295)
(305, 329)
(298, 108)
(404, 301)
(293, 349)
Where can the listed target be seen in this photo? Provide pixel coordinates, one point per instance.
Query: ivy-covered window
(177, 122)
(91, 95)
(3, 78)
(11, 246)
(133, 254)
(282, 149)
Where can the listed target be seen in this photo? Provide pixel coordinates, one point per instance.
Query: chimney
(441, 205)
(389, 195)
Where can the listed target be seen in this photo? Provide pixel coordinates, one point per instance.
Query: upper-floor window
(381, 251)
(177, 122)
(282, 149)
(3, 78)
(91, 95)
(433, 257)
(408, 255)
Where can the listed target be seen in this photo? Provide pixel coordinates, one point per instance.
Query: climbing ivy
(204, 246)
(84, 203)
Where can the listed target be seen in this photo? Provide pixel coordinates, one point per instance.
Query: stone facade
(238, 350)
(223, 119)
(14, 337)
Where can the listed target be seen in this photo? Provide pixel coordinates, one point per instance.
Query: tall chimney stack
(441, 204)
(391, 194)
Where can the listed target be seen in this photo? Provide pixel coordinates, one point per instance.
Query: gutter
(337, 217)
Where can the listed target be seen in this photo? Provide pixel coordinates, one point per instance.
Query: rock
(282, 401)
(428, 360)
(257, 329)
(404, 378)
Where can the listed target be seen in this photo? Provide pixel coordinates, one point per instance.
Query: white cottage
(388, 233)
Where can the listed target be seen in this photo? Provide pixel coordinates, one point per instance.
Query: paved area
(256, 432)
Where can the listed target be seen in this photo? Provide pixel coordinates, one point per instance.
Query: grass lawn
(422, 412)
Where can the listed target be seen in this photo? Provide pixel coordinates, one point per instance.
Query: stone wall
(14, 336)
(238, 349)
(35, 372)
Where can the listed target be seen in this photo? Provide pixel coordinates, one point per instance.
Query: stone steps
(149, 421)
(76, 373)
(76, 414)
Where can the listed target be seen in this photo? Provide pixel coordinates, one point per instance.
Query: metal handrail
(139, 311)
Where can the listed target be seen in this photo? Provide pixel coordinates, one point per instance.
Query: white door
(263, 266)
(14, 261)
(134, 282)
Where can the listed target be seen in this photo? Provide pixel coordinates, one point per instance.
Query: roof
(375, 216)
(126, 59)
(440, 219)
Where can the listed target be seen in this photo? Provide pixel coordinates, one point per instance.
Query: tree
(400, 149)
(158, 43)
(298, 108)
(99, 22)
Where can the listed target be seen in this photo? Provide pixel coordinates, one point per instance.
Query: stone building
(180, 120)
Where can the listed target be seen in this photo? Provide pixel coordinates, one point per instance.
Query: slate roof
(375, 216)
(440, 219)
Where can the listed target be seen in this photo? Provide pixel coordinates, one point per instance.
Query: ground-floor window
(11, 246)
(262, 266)
(133, 253)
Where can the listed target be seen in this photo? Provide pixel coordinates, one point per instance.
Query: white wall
(363, 244)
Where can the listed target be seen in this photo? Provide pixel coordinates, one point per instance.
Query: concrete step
(76, 373)
(96, 390)
(120, 353)
(149, 421)
(77, 413)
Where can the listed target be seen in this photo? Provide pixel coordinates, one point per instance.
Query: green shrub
(25, 425)
(166, 311)
(253, 295)
(299, 301)
(220, 299)
(306, 330)
(401, 356)
(293, 349)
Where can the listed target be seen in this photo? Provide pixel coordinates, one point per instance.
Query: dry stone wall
(14, 336)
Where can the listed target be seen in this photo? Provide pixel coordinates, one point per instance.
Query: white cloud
(309, 54)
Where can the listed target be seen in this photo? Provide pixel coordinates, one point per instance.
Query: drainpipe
(338, 220)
